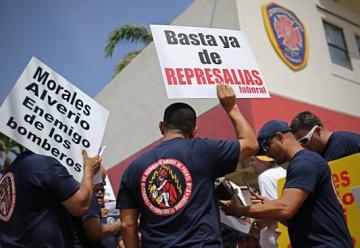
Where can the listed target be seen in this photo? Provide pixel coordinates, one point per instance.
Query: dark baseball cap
(268, 131)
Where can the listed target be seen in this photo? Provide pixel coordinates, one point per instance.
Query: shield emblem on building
(287, 35)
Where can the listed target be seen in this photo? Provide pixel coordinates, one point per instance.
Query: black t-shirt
(341, 144)
(172, 186)
(319, 222)
(32, 190)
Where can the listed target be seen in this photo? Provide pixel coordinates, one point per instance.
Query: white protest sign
(48, 115)
(193, 60)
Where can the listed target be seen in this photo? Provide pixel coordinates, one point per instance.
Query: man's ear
(162, 127)
(280, 136)
(194, 131)
(318, 131)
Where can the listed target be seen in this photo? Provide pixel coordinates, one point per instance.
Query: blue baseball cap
(269, 130)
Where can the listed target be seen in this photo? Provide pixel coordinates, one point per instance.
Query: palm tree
(9, 149)
(130, 33)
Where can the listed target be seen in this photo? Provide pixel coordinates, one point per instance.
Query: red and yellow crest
(166, 186)
(7, 196)
(287, 35)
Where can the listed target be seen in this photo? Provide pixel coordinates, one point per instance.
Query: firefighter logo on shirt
(7, 196)
(166, 186)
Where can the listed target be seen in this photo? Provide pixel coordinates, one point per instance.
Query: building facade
(327, 84)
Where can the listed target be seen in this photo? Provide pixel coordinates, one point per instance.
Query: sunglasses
(100, 186)
(307, 138)
(265, 144)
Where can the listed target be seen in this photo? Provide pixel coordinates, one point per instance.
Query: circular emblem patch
(287, 34)
(7, 196)
(166, 186)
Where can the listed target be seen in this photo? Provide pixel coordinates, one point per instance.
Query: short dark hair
(305, 120)
(180, 116)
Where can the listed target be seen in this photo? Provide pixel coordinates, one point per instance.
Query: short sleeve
(303, 174)
(59, 182)
(93, 211)
(352, 143)
(125, 198)
(226, 155)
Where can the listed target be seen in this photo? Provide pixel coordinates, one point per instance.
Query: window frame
(336, 46)
(357, 41)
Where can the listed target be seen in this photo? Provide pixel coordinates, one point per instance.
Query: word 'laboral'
(194, 59)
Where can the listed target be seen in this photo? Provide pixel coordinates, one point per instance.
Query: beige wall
(321, 82)
(136, 97)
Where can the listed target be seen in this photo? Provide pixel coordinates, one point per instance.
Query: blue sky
(70, 36)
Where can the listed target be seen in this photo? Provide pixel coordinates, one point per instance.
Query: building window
(358, 42)
(337, 46)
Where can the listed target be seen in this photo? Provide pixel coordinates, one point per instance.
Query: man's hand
(257, 199)
(104, 212)
(91, 164)
(233, 206)
(244, 132)
(226, 96)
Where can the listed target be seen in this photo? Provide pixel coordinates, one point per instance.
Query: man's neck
(325, 138)
(173, 134)
(293, 150)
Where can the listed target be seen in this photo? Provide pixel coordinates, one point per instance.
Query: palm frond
(125, 61)
(7, 142)
(129, 33)
(11, 149)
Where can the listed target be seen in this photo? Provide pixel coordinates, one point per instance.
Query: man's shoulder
(217, 143)
(30, 159)
(307, 158)
(306, 154)
(344, 136)
(39, 157)
(38, 167)
(341, 144)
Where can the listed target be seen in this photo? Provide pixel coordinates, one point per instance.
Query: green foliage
(8, 146)
(126, 60)
(127, 33)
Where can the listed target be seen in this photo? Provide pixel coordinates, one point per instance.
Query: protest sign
(193, 60)
(346, 176)
(48, 115)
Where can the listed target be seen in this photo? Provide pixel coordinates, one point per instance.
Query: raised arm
(248, 142)
(78, 203)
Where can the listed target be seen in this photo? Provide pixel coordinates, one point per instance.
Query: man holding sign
(37, 196)
(51, 117)
(171, 187)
